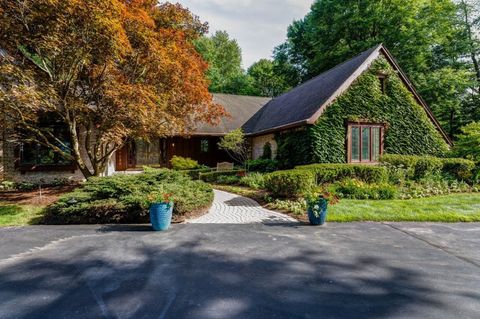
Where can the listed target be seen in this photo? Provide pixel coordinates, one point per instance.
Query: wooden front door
(126, 157)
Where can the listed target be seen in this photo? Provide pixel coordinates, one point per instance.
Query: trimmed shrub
(213, 177)
(267, 151)
(228, 179)
(183, 163)
(329, 173)
(124, 198)
(262, 165)
(355, 189)
(253, 180)
(195, 173)
(459, 168)
(291, 183)
(418, 167)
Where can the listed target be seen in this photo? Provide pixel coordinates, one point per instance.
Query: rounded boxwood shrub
(291, 183)
(124, 198)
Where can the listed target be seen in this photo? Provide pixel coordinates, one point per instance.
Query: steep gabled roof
(240, 108)
(306, 103)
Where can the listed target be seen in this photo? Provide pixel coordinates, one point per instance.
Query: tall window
(365, 143)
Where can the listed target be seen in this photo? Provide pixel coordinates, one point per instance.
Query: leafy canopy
(106, 70)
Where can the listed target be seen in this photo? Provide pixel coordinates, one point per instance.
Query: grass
(19, 215)
(451, 208)
(448, 209)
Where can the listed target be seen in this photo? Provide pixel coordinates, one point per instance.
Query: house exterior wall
(407, 128)
(12, 173)
(259, 142)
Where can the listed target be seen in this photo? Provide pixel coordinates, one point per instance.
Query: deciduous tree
(106, 70)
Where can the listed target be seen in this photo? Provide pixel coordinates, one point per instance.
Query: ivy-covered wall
(409, 130)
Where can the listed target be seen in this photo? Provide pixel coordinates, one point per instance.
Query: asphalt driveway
(359, 270)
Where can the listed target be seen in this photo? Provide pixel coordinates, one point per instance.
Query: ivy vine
(409, 130)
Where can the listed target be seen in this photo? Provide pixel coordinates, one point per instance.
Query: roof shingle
(301, 103)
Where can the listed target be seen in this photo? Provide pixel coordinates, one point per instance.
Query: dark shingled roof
(241, 109)
(301, 103)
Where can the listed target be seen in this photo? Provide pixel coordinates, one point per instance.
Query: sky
(257, 25)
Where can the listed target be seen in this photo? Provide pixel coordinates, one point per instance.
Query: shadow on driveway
(162, 275)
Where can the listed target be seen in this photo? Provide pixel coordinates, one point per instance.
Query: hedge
(418, 167)
(290, 183)
(262, 165)
(195, 173)
(329, 173)
(212, 177)
(124, 198)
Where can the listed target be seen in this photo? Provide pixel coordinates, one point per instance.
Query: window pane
(366, 144)
(355, 138)
(204, 146)
(375, 144)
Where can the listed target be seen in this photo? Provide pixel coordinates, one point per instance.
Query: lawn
(19, 215)
(451, 208)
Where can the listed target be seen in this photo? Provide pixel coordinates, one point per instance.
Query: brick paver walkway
(234, 209)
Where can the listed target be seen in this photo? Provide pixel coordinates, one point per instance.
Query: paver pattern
(234, 209)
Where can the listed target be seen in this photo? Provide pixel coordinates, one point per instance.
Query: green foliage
(262, 165)
(253, 180)
(329, 173)
(434, 186)
(267, 151)
(265, 82)
(294, 148)
(291, 183)
(228, 180)
(468, 143)
(181, 163)
(235, 144)
(224, 57)
(217, 177)
(458, 168)
(195, 173)
(355, 189)
(418, 167)
(409, 130)
(124, 198)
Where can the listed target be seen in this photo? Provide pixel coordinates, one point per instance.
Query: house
(352, 113)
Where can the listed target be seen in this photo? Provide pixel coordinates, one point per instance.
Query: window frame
(39, 167)
(383, 78)
(349, 141)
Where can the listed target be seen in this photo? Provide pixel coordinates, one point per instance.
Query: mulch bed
(39, 197)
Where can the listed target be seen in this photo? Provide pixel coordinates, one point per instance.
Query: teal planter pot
(161, 216)
(322, 217)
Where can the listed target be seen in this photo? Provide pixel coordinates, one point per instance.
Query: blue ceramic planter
(321, 219)
(161, 216)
